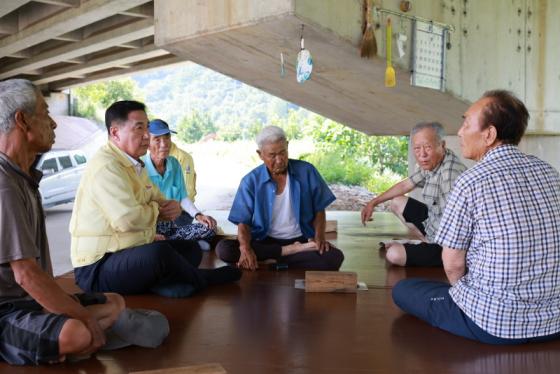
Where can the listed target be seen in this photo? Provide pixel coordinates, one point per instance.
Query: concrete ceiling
(343, 87)
(60, 43)
(244, 38)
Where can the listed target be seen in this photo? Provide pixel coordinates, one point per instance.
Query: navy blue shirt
(309, 194)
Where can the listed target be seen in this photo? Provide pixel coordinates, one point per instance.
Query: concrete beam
(106, 24)
(33, 13)
(102, 63)
(66, 21)
(72, 36)
(132, 45)
(21, 54)
(164, 61)
(142, 11)
(76, 60)
(8, 6)
(182, 19)
(62, 3)
(133, 31)
(9, 24)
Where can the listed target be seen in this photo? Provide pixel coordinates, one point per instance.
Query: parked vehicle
(62, 171)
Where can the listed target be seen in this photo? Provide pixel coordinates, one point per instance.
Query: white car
(62, 171)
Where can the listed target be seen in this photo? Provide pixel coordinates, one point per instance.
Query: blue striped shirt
(505, 212)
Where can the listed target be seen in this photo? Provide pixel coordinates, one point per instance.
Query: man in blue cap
(165, 172)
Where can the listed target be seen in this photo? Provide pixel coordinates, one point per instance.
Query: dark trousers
(430, 301)
(271, 248)
(136, 270)
(184, 219)
(422, 254)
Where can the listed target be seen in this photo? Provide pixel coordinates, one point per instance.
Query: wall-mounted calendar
(428, 59)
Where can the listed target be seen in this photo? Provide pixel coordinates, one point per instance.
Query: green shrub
(380, 182)
(334, 169)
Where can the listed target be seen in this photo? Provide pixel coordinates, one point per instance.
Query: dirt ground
(350, 198)
(220, 166)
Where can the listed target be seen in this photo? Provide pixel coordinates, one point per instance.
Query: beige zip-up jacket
(115, 208)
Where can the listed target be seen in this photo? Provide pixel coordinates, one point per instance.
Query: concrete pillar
(545, 147)
(59, 103)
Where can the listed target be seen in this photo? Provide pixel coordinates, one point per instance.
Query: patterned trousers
(194, 231)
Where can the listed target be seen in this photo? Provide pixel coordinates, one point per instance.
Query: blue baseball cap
(158, 127)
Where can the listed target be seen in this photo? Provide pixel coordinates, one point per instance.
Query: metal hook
(301, 37)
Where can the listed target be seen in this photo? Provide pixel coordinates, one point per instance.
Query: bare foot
(297, 247)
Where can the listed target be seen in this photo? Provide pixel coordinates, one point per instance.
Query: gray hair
(270, 134)
(15, 95)
(436, 126)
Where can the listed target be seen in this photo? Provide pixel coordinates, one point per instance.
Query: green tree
(253, 130)
(230, 132)
(195, 126)
(92, 100)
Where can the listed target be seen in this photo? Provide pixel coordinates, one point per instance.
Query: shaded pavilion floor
(263, 325)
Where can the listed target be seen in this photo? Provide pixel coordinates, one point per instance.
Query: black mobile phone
(278, 266)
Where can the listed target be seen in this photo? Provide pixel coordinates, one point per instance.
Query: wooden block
(196, 369)
(331, 281)
(331, 226)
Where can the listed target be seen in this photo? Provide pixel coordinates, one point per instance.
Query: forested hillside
(175, 92)
(202, 104)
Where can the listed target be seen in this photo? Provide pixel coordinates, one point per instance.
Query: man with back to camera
(438, 169)
(500, 235)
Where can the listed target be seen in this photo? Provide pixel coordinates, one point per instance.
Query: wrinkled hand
(367, 212)
(97, 335)
(206, 220)
(247, 259)
(169, 210)
(322, 244)
(159, 237)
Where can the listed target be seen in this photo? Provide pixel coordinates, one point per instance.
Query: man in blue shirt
(279, 210)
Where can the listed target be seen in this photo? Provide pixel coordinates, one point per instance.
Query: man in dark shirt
(39, 322)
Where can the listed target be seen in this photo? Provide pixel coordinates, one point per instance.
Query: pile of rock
(352, 198)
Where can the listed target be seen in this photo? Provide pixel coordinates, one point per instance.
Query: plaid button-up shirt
(436, 185)
(505, 213)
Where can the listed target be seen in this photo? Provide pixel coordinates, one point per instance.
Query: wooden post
(331, 281)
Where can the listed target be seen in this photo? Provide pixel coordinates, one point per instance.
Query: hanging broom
(390, 80)
(369, 44)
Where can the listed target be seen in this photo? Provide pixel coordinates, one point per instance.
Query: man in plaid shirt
(500, 235)
(438, 169)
